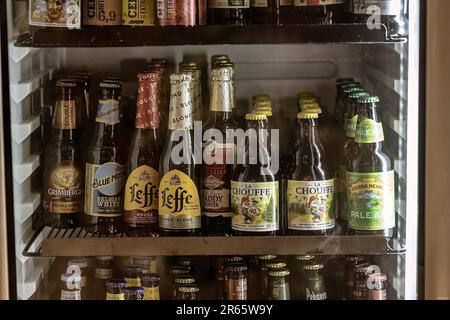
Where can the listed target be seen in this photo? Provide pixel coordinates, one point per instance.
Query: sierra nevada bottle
(179, 201)
(217, 169)
(255, 187)
(105, 166)
(370, 178)
(141, 189)
(63, 190)
(310, 185)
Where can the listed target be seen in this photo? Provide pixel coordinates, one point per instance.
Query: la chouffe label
(141, 196)
(103, 191)
(371, 200)
(179, 202)
(65, 192)
(310, 205)
(255, 206)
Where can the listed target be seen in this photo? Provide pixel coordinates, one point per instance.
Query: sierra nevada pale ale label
(108, 112)
(65, 189)
(104, 184)
(371, 200)
(369, 131)
(255, 206)
(179, 203)
(141, 196)
(66, 115)
(310, 205)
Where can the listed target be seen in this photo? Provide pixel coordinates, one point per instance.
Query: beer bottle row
(222, 179)
(265, 277)
(217, 12)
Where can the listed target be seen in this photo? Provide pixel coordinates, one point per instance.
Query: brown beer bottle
(216, 170)
(263, 12)
(255, 187)
(63, 191)
(179, 201)
(229, 12)
(319, 12)
(370, 178)
(310, 186)
(141, 188)
(105, 166)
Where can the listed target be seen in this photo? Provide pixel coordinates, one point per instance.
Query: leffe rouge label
(104, 184)
(255, 206)
(65, 190)
(179, 202)
(310, 205)
(141, 196)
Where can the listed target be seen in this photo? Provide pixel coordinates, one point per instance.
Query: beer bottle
(310, 187)
(63, 191)
(342, 96)
(255, 187)
(179, 202)
(319, 12)
(217, 169)
(338, 103)
(278, 285)
(346, 103)
(345, 157)
(196, 74)
(315, 284)
(141, 188)
(391, 13)
(263, 12)
(229, 12)
(299, 289)
(105, 166)
(370, 178)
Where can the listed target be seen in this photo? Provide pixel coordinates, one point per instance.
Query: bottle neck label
(151, 293)
(133, 282)
(147, 109)
(65, 115)
(181, 116)
(280, 292)
(255, 206)
(227, 4)
(70, 295)
(351, 127)
(179, 202)
(371, 200)
(141, 196)
(309, 3)
(310, 205)
(221, 96)
(108, 112)
(236, 289)
(104, 184)
(115, 296)
(369, 131)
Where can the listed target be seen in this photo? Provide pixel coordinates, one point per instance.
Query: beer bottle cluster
(145, 13)
(151, 181)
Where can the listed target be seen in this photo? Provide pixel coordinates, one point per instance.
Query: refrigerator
(274, 60)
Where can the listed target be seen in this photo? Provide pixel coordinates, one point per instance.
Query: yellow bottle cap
(306, 95)
(255, 117)
(267, 113)
(307, 115)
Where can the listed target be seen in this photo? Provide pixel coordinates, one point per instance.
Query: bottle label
(151, 293)
(369, 131)
(280, 292)
(216, 190)
(147, 104)
(138, 13)
(341, 190)
(351, 127)
(377, 294)
(70, 295)
(65, 191)
(102, 12)
(259, 3)
(66, 115)
(310, 205)
(315, 290)
(237, 289)
(141, 196)
(104, 184)
(108, 112)
(165, 12)
(133, 282)
(62, 13)
(179, 203)
(385, 7)
(307, 3)
(104, 274)
(286, 2)
(371, 200)
(255, 206)
(225, 4)
(115, 296)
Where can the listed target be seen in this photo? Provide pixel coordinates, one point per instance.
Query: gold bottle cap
(267, 113)
(279, 273)
(261, 97)
(219, 57)
(305, 258)
(185, 66)
(311, 106)
(255, 117)
(314, 267)
(266, 257)
(306, 100)
(184, 279)
(276, 264)
(307, 115)
(306, 96)
(192, 289)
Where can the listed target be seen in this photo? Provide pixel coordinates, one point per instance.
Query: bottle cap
(314, 267)
(266, 257)
(177, 270)
(255, 117)
(233, 259)
(184, 279)
(276, 264)
(370, 99)
(66, 83)
(279, 273)
(307, 115)
(133, 290)
(132, 269)
(105, 258)
(237, 267)
(183, 66)
(267, 113)
(150, 277)
(305, 258)
(109, 85)
(357, 95)
(348, 90)
(190, 289)
(116, 283)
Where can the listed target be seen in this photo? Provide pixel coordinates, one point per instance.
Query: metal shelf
(205, 35)
(76, 242)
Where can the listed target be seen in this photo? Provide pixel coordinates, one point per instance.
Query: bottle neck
(257, 148)
(181, 109)
(66, 117)
(310, 145)
(221, 97)
(369, 130)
